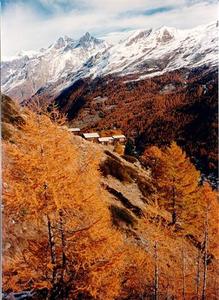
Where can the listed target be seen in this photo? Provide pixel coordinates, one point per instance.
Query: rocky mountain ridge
(145, 53)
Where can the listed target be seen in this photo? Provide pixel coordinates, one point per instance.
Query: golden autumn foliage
(179, 183)
(176, 178)
(57, 229)
(181, 193)
(209, 200)
(153, 111)
(179, 188)
(118, 148)
(152, 158)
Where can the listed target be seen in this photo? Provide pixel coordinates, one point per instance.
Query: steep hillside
(12, 117)
(88, 224)
(180, 105)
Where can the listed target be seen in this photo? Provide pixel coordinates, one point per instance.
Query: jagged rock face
(87, 41)
(60, 43)
(145, 53)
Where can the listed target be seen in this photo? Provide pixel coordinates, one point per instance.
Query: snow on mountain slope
(144, 53)
(158, 51)
(28, 72)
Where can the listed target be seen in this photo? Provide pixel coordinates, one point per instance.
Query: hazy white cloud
(24, 28)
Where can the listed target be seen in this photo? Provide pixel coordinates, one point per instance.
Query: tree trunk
(174, 214)
(156, 273)
(183, 274)
(174, 217)
(62, 233)
(63, 290)
(205, 257)
(51, 247)
(198, 274)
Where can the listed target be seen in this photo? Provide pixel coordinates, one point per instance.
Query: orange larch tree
(179, 182)
(175, 177)
(57, 229)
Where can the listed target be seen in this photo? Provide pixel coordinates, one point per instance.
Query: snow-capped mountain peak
(146, 52)
(165, 34)
(137, 36)
(62, 42)
(87, 37)
(88, 41)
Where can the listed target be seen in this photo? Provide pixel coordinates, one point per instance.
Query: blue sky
(49, 8)
(32, 24)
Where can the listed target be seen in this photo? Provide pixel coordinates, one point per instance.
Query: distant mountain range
(145, 53)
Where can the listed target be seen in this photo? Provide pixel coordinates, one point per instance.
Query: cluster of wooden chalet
(95, 137)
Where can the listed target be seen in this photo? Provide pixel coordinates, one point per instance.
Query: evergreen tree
(130, 148)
